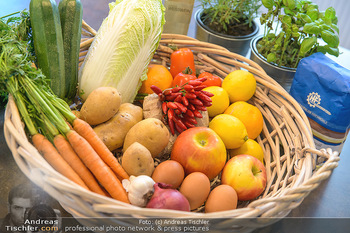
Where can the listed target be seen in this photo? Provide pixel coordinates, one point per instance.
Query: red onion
(164, 197)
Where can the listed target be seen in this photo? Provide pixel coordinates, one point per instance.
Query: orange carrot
(69, 155)
(102, 172)
(87, 132)
(51, 155)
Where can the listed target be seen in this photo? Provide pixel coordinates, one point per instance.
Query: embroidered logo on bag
(314, 100)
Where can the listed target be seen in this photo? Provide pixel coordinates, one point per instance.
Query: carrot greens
(39, 108)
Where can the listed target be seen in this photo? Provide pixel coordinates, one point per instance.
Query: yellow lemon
(250, 115)
(240, 85)
(250, 147)
(230, 129)
(220, 100)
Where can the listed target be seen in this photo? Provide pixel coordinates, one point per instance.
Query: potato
(113, 132)
(101, 105)
(137, 160)
(151, 133)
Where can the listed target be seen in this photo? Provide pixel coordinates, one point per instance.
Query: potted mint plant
(293, 29)
(229, 23)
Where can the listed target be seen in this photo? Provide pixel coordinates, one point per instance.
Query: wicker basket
(294, 167)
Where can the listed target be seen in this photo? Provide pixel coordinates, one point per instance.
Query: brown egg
(169, 172)
(196, 188)
(222, 197)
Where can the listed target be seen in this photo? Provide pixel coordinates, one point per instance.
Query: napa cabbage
(123, 48)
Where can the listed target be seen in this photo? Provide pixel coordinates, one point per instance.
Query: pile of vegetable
(72, 148)
(39, 64)
(113, 144)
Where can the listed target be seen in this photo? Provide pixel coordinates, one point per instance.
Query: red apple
(200, 149)
(246, 174)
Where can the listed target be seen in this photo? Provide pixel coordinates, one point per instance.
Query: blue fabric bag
(322, 87)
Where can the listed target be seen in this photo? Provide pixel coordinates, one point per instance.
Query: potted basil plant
(293, 29)
(229, 23)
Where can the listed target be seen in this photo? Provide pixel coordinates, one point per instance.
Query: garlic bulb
(139, 188)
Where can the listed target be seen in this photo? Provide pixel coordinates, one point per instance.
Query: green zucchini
(48, 42)
(71, 13)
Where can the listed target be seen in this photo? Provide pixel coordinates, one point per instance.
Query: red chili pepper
(156, 89)
(189, 113)
(177, 111)
(188, 87)
(171, 126)
(197, 114)
(182, 108)
(171, 105)
(178, 128)
(191, 120)
(202, 79)
(189, 125)
(204, 97)
(196, 102)
(184, 101)
(199, 88)
(207, 93)
(179, 122)
(175, 89)
(190, 96)
(195, 82)
(167, 92)
(206, 103)
(191, 107)
(202, 108)
(171, 113)
(164, 107)
(178, 99)
(173, 96)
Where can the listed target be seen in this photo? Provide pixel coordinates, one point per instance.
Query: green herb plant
(295, 29)
(223, 13)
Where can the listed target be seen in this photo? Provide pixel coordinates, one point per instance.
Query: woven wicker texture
(294, 167)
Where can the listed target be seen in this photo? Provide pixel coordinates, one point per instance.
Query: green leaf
(321, 49)
(311, 28)
(335, 27)
(295, 34)
(271, 57)
(287, 20)
(326, 49)
(304, 17)
(291, 4)
(330, 38)
(295, 28)
(312, 13)
(268, 3)
(312, 6)
(330, 13)
(288, 11)
(307, 44)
